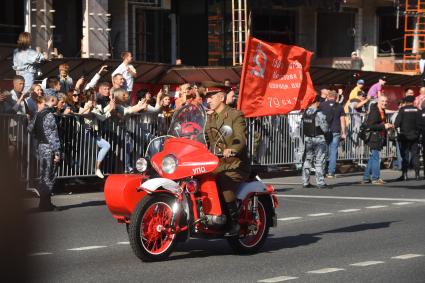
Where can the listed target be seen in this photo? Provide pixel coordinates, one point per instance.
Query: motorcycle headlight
(169, 164)
(141, 165)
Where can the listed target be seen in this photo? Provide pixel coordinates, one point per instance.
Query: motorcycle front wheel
(149, 230)
(253, 231)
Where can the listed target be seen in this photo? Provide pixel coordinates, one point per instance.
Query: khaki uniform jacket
(237, 141)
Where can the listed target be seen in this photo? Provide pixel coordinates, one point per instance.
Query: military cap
(212, 88)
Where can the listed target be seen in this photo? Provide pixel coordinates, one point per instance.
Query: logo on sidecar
(199, 170)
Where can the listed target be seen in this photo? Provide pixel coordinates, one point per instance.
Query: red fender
(122, 195)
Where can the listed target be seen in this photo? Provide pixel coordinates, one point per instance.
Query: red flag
(275, 79)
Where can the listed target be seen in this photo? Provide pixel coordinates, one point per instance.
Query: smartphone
(165, 89)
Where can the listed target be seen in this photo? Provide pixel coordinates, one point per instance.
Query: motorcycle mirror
(226, 131)
(178, 129)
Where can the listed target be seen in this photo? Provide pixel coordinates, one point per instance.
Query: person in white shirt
(18, 96)
(126, 70)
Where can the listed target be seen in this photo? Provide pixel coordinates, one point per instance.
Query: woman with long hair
(92, 113)
(25, 59)
(73, 101)
(35, 91)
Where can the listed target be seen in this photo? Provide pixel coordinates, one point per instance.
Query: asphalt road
(352, 233)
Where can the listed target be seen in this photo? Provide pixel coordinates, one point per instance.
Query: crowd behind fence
(272, 141)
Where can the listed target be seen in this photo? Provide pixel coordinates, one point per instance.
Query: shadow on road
(83, 204)
(198, 248)
(66, 207)
(273, 244)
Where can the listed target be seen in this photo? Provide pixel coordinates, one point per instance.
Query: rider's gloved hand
(227, 152)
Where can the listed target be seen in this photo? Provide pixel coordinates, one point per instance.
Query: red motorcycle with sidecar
(175, 196)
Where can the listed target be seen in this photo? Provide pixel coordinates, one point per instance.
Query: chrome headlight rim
(141, 165)
(169, 164)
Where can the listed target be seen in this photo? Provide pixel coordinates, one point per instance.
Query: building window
(335, 34)
(11, 20)
(219, 33)
(390, 36)
(274, 26)
(150, 34)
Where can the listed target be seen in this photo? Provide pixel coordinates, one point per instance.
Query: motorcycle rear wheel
(149, 233)
(254, 240)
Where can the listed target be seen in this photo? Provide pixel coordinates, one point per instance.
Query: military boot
(234, 218)
(417, 177)
(403, 176)
(46, 203)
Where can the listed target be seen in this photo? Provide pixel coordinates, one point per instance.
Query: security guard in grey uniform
(315, 148)
(46, 132)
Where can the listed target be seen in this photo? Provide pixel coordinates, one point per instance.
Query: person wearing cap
(354, 94)
(375, 90)
(356, 107)
(406, 122)
(315, 127)
(234, 166)
(356, 61)
(421, 128)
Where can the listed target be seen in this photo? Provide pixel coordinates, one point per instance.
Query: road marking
(358, 198)
(402, 203)
(278, 279)
(377, 206)
(325, 270)
(367, 263)
(123, 243)
(41, 253)
(87, 248)
(350, 210)
(289, 218)
(320, 214)
(406, 256)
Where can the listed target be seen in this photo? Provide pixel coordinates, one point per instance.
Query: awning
(157, 73)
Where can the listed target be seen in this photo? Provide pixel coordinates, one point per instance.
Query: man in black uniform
(406, 121)
(421, 127)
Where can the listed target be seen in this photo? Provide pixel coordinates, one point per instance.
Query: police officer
(421, 127)
(234, 166)
(406, 121)
(315, 127)
(46, 132)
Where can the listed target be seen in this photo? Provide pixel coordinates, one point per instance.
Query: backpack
(365, 132)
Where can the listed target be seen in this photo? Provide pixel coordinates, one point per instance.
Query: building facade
(200, 32)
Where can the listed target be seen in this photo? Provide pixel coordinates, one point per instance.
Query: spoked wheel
(254, 230)
(149, 231)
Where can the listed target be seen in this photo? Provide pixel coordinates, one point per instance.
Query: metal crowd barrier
(279, 140)
(276, 140)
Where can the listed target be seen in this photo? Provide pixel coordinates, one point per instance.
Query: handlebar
(221, 155)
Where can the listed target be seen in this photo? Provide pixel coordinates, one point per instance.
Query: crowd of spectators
(97, 99)
(406, 127)
(93, 99)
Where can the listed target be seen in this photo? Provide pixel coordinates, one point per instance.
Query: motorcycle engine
(216, 219)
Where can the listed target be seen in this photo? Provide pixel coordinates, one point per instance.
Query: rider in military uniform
(45, 131)
(234, 166)
(315, 147)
